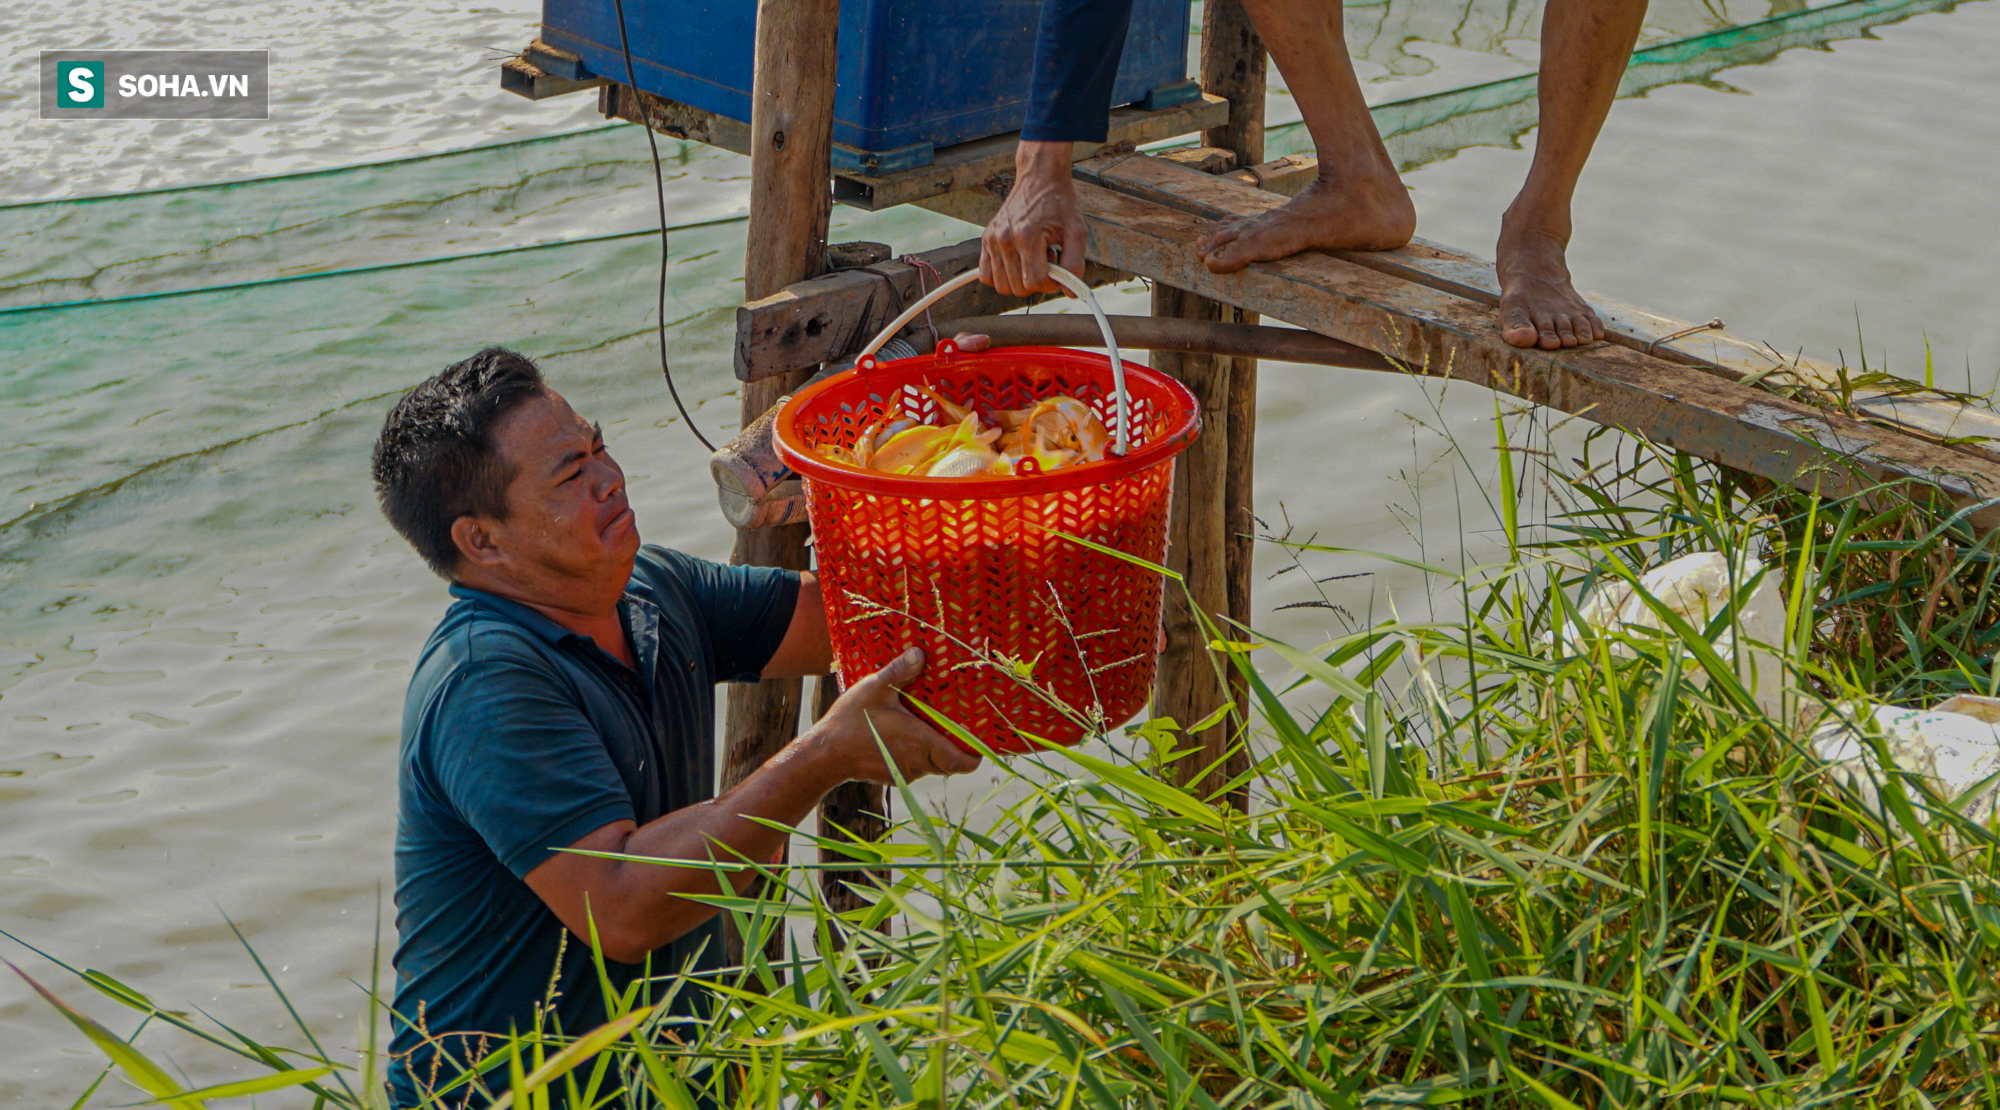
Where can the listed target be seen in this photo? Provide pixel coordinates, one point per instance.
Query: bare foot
(1372, 213)
(1538, 305)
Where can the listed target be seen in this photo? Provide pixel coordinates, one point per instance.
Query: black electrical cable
(660, 191)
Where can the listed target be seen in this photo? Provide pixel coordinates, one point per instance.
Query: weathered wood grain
(671, 117)
(1187, 686)
(1234, 67)
(1667, 400)
(1203, 159)
(1239, 511)
(1287, 176)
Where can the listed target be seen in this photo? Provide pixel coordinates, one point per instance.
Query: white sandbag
(1699, 587)
(1953, 748)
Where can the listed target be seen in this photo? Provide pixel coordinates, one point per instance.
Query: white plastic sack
(1698, 587)
(1954, 748)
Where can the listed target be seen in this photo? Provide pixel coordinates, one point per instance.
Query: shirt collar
(636, 592)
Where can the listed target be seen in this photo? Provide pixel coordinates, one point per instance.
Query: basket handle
(1121, 441)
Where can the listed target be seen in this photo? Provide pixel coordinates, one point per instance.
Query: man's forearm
(643, 906)
(636, 905)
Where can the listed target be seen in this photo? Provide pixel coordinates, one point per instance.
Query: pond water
(205, 628)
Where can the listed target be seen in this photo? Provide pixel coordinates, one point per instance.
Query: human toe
(1227, 259)
(1566, 330)
(1516, 329)
(1545, 331)
(1210, 242)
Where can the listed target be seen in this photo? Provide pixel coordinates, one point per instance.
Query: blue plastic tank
(913, 74)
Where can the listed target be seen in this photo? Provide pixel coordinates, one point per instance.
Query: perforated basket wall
(1025, 631)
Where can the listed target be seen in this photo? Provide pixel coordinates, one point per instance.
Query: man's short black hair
(436, 460)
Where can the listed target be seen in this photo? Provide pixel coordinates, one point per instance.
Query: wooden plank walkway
(1434, 309)
(1252, 190)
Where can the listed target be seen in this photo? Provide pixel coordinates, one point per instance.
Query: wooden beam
(1188, 687)
(1453, 271)
(821, 320)
(523, 78)
(1235, 66)
(1287, 176)
(1433, 332)
(1673, 403)
(971, 204)
(975, 164)
(671, 117)
(1187, 334)
(1206, 159)
(857, 810)
(791, 137)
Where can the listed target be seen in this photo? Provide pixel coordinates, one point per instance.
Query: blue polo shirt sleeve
(744, 610)
(515, 758)
(1077, 47)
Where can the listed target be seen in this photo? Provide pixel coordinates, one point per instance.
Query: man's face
(568, 522)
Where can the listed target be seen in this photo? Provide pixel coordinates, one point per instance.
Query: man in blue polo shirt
(566, 700)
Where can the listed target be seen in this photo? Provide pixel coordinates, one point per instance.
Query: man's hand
(1040, 213)
(872, 707)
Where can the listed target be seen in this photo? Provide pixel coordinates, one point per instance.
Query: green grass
(1484, 865)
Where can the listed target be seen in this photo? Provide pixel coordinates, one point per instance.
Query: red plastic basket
(1029, 635)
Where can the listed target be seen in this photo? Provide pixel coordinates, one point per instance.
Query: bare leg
(1585, 45)
(1358, 202)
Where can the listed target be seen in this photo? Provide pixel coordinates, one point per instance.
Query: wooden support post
(1188, 687)
(1239, 511)
(1234, 67)
(856, 809)
(791, 143)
